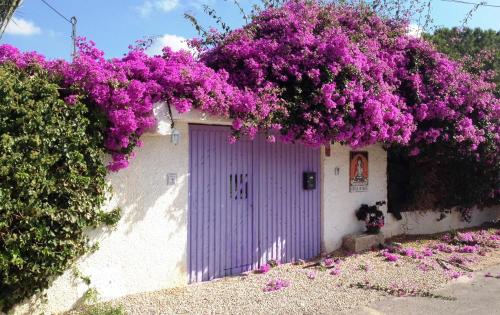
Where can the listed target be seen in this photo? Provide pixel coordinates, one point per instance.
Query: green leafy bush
(103, 309)
(440, 179)
(52, 181)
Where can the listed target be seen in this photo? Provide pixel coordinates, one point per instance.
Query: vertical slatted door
(247, 204)
(289, 216)
(221, 224)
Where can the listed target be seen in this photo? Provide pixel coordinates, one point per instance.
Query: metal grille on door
(238, 186)
(247, 203)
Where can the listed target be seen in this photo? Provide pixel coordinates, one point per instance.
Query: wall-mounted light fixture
(328, 150)
(175, 137)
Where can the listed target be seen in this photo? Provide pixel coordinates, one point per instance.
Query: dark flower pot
(372, 229)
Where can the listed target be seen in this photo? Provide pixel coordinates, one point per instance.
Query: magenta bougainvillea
(126, 88)
(344, 74)
(457, 250)
(304, 72)
(276, 285)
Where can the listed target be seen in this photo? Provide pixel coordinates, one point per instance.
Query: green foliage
(103, 309)
(91, 296)
(91, 306)
(458, 43)
(110, 218)
(52, 182)
(478, 48)
(79, 275)
(440, 179)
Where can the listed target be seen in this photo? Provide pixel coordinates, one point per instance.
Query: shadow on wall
(150, 207)
(142, 187)
(146, 251)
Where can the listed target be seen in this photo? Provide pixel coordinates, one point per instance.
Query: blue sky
(115, 24)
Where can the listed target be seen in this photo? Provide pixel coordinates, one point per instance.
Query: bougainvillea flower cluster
(276, 285)
(408, 251)
(457, 249)
(308, 72)
(427, 252)
(390, 256)
(265, 268)
(312, 274)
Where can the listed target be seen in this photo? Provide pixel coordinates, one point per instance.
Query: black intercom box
(309, 180)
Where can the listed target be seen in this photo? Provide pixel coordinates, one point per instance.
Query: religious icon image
(358, 171)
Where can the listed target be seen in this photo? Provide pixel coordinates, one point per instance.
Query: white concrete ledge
(361, 241)
(426, 222)
(163, 123)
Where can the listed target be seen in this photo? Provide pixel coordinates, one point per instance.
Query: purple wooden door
(247, 204)
(289, 216)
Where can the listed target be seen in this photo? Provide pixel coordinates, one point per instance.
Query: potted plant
(373, 217)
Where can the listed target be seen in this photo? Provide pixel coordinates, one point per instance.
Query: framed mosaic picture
(358, 171)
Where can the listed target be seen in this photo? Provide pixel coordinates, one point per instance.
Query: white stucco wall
(426, 222)
(338, 203)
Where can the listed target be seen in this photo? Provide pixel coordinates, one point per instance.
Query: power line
(55, 10)
(482, 4)
(71, 21)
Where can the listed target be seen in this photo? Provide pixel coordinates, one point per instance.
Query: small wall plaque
(171, 178)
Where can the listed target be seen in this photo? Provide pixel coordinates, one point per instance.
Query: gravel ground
(325, 294)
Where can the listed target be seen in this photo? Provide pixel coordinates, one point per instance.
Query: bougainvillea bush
(344, 74)
(315, 72)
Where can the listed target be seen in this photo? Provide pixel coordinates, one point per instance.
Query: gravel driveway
(477, 295)
(325, 294)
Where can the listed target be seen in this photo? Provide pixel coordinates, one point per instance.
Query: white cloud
(173, 41)
(164, 5)
(18, 26)
(414, 30)
(145, 9)
(167, 5)
(53, 34)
